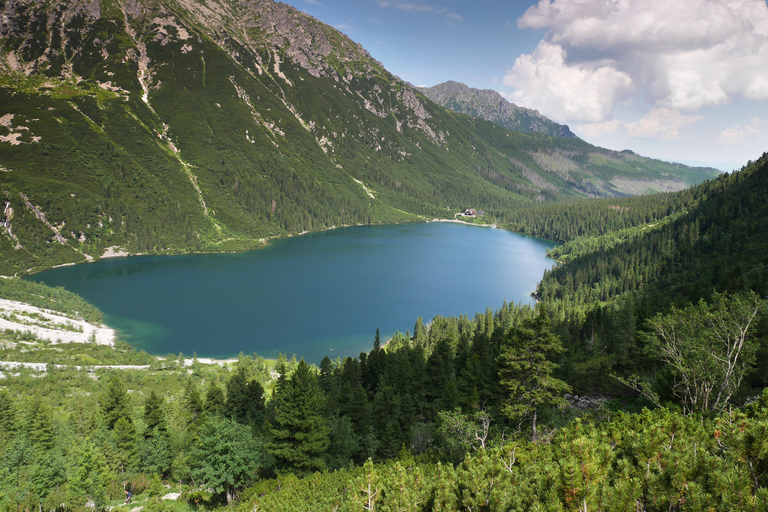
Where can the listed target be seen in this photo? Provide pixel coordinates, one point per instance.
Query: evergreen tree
(299, 431)
(256, 404)
(88, 479)
(245, 400)
(40, 429)
(215, 402)
(525, 370)
(115, 402)
(154, 416)
(192, 402)
(126, 444)
(237, 398)
(8, 421)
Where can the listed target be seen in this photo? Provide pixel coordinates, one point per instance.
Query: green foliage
(299, 430)
(220, 158)
(651, 461)
(709, 348)
(525, 372)
(45, 297)
(115, 403)
(89, 479)
(226, 456)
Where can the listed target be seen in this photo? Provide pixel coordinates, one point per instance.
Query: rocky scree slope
(165, 126)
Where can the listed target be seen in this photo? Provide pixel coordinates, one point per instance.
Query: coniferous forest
(635, 383)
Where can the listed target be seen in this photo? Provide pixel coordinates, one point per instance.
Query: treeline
(612, 285)
(586, 218)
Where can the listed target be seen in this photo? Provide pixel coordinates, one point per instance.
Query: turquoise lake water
(314, 295)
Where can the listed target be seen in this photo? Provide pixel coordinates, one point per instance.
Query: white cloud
(597, 130)
(566, 92)
(661, 123)
(755, 131)
(684, 54)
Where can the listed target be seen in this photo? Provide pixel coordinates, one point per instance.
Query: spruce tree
(125, 442)
(299, 431)
(525, 371)
(154, 416)
(8, 420)
(215, 403)
(115, 402)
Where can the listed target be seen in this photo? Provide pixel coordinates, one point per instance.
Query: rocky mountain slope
(491, 106)
(158, 126)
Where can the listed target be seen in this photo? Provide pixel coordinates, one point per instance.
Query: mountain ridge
(492, 106)
(165, 126)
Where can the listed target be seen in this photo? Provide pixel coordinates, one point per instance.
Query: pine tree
(215, 403)
(299, 430)
(525, 371)
(115, 402)
(154, 416)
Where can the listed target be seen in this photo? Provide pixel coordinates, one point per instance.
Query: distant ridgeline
(491, 106)
(175, 126)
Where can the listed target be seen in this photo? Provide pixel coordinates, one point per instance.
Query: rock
(172, 496)
(584, 403)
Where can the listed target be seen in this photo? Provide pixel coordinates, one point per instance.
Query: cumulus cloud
(566, 92)
(597, 130)
(661, 123)
(755, 131)
(684, 55)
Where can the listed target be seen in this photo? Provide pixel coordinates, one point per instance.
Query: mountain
(166, 126)
(491, 106)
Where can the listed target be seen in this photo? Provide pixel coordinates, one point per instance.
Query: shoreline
(116, 251)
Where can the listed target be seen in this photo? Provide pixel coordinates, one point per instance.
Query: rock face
(491, 106)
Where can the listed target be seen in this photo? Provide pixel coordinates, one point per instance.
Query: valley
(181, 132)
(163, 135)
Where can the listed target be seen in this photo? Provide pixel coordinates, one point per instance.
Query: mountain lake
(315, 295)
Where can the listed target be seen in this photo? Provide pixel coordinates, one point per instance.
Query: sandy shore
(50, 325)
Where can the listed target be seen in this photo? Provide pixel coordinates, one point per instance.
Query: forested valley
(635, 383)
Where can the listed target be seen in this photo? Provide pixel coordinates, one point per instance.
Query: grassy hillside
(173, 126)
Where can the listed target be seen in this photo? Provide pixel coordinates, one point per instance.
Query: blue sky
(685, 81)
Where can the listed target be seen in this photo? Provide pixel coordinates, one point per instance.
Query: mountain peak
(491, 106)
